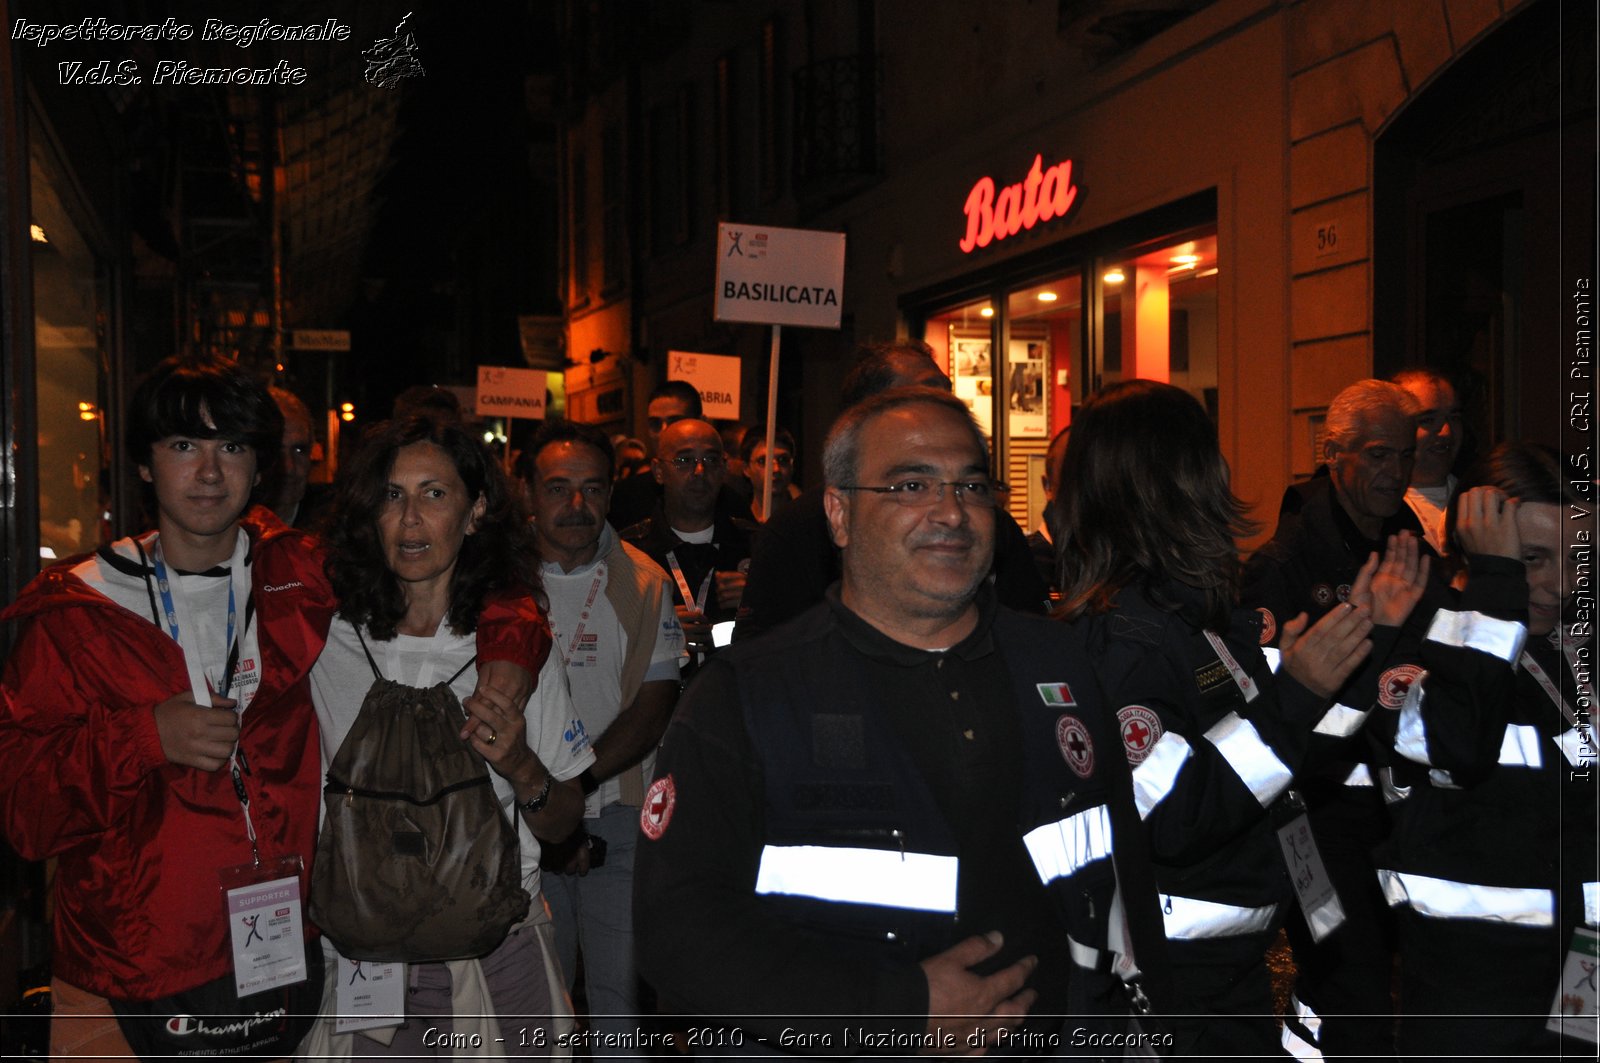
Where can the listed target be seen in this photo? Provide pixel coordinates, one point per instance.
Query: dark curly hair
(1144, 498)
(498, 556)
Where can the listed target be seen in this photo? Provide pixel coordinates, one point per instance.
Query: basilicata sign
(771, 276)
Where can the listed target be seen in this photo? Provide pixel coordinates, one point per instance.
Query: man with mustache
(834, 850)
(614, 625)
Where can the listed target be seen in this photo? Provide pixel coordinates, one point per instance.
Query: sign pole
(772, 424)
(508, 446)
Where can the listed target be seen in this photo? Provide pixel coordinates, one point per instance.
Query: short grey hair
(841, 454)
(1363, 402)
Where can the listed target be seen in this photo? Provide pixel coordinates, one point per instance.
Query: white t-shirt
(594, 654)
(132, 584)
(341, 678)
(1430, 504)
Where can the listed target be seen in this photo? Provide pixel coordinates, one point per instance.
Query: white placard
(368, 995)
(507, 392)
(771, 276)
(714, 376)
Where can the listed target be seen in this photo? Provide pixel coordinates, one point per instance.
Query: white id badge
(265, 924)
(1319, 901)
(1574, 1012)
(369, 995)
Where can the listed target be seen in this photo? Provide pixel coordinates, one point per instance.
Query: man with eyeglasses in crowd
(702, 548)
(669, 402)
(828, 798)
(613, 623)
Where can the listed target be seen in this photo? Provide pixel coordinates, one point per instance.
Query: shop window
(1158, 316)
(74, 483)
(1028, 389)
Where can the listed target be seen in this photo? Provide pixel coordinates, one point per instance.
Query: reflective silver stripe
(1298, 1047)
(1474, 631)
(1274, 657)
(1061, 848)
(918, 881)
(1153, 779)
(1392, 794)
(1360, 775)
(1082, 954)
(1577, 747)
(1441, 898)
(1250, 758)
(1442, 779)
(1341, 721)
(1591, 903)
(1411, 736)
(1189, 919)
(1306, 1017)
(1519, 747)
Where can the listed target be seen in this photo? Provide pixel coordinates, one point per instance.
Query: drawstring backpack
(415, 861)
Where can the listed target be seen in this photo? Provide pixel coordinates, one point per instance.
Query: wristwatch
(536, 803)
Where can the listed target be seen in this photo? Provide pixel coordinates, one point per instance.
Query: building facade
(1258, 200)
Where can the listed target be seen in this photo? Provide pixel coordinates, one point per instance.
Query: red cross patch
(1141, 729)
(1395, 683)
(658, 804)
(1076, 747)
(1269, 626)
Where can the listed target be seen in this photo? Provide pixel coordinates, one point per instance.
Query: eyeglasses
(687, 462)
(919, 492)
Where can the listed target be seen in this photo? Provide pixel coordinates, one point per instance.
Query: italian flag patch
(1056, 694)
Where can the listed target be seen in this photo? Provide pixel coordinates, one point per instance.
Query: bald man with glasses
(702, 548)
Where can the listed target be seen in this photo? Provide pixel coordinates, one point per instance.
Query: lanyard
(699, 602)
(1548, 684)
(175, 604)
(583, 615)
(1241, 679)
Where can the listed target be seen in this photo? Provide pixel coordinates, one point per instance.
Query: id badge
(369, 995)
(1574, 1012)
(265, 923)
(1319, 901)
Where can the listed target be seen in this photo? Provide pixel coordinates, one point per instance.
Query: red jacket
(139, 908)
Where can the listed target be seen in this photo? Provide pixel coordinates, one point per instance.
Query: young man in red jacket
(156, 720)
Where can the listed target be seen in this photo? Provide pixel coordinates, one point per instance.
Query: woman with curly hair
(425, 533)
(1148, 557)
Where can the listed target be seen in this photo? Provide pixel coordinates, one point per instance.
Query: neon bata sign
(1043, 195)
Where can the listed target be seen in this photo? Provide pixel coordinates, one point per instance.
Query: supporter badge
(1056, 694)
(659, 801)
(1140, 728)
(1076, 747)
(1395, 683)
(1269, 626)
